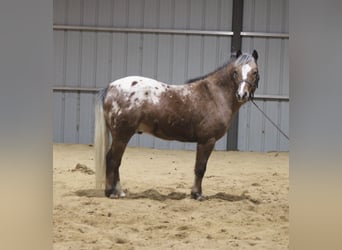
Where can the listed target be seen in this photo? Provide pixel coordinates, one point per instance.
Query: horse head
(245, 75)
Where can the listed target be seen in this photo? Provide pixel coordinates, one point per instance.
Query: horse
(200, 110)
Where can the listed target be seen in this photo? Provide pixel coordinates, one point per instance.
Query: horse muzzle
(243, 96)
(245, 92)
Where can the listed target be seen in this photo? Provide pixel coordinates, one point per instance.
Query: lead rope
(269, 119)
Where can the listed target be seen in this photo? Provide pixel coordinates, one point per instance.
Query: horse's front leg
(202, 155)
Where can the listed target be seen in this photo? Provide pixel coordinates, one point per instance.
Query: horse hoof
(197, 196)
(113, 196)
(200, 198)
(117, 195)
(108, 192)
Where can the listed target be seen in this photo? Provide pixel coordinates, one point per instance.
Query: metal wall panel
(93, 59)
(59, 69)
(255, 132)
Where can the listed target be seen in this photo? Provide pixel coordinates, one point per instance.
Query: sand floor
(246, 204)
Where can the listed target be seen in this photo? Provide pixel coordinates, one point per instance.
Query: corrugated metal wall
(255, 132)
(93, 59)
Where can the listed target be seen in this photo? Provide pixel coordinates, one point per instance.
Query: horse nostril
(244, 95)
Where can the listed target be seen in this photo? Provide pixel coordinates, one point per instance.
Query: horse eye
(235, 75)
(255, 73)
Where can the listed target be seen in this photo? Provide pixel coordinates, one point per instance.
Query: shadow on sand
(153, 194)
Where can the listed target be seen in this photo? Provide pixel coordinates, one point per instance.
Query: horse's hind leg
(202, 155)
(113, 162)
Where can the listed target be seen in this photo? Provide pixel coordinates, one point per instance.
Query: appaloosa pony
(199, 111)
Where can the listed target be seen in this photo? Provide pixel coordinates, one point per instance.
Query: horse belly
(143, 128)
(177, 130)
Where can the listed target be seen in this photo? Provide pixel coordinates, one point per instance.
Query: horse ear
(255, 55)
(238, 53)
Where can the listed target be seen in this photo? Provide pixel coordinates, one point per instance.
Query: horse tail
(101, 140)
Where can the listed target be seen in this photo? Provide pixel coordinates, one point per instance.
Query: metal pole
(265, 35)
(92, 89)
(232, 135)
(172, 32)
(143, 30)
(75, 89)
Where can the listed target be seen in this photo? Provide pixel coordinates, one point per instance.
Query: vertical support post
(232, 138)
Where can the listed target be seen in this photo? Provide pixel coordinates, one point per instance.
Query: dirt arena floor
(246, 204)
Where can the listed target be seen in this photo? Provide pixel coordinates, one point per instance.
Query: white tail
(101, 143)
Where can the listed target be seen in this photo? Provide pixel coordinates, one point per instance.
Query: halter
(256, 83)
(248, 82)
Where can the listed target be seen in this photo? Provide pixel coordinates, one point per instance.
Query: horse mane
(242, 59)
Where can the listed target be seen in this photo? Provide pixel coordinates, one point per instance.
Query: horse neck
(221, 80)
(222, 77)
